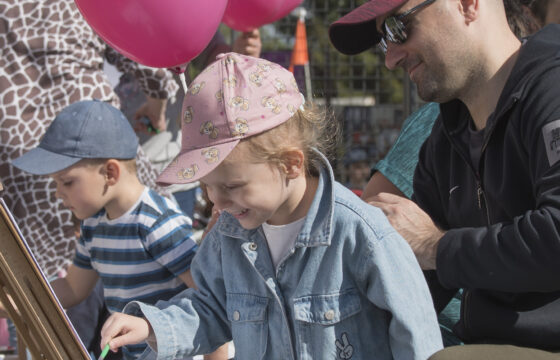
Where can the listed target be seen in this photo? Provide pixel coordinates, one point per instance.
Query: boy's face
(252, 192)
(82, 188)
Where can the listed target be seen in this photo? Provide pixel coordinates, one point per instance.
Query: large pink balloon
(157, 33)
(246, 15)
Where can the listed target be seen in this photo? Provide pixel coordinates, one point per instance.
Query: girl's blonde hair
(309, 128)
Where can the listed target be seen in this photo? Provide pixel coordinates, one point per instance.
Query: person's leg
(493, 352)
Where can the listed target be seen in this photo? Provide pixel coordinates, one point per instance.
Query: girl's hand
(121, 329)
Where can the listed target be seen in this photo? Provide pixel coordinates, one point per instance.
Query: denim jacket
(350, 288)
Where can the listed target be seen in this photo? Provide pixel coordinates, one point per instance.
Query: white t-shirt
(281, 238)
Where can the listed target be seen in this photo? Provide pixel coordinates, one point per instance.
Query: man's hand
(414, 225)
(154, 110)
(248, 43)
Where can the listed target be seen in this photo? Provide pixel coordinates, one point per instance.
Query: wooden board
(34, 309)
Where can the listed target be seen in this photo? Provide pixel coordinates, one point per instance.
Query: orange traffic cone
(299, 54)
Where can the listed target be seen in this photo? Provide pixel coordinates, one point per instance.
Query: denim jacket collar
(316, 229)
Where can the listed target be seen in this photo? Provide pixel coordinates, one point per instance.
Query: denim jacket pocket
(325, 322)
(247, 315)
(327, 309)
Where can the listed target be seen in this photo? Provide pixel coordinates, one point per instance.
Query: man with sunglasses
(486, 216)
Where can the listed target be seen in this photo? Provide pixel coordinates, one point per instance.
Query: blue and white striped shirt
(138, 255)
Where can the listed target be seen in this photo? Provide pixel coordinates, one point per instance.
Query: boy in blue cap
(138, 242)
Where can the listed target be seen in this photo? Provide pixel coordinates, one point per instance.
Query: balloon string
(183, 82)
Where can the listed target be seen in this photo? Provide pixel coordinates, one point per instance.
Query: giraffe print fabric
(50, 59)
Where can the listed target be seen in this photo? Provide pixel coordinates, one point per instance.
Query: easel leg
(21, 349)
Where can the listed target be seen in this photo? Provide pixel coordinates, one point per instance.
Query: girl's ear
(112, 171)
(293, 163)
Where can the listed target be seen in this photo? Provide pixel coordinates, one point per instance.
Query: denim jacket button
(253, 246)
(236, 315)
(329, 315)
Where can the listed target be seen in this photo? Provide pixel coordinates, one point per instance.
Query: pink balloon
(157, 33)
(246, 15)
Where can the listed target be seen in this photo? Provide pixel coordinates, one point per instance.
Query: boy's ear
(469, 9)
(294, 163)
(112, 170)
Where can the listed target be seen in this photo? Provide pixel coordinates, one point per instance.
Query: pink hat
(356, 31)
(235, 97)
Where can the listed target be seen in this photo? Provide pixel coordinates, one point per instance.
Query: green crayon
(104, 352)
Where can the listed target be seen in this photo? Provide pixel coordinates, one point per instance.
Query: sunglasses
(394, 28)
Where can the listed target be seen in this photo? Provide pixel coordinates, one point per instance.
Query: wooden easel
(28, 298)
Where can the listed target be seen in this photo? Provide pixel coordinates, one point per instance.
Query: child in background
(137, 241)
(296, 266)
(357, 170)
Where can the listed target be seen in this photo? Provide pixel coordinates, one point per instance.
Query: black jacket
(503, 217)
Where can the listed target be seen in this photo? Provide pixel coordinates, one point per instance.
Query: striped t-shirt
(138, 255)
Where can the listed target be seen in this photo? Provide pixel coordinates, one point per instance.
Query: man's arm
(75, 286)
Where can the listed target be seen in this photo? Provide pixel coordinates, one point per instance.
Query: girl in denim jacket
(297, 266)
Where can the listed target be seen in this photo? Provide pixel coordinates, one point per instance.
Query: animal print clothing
(51, 58)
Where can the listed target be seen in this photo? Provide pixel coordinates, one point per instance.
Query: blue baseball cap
(90, 129)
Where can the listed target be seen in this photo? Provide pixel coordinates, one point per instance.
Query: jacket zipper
(481, 198)
(479, 194)
(479, 191)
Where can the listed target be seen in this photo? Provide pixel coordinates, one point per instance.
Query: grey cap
(90, 129)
